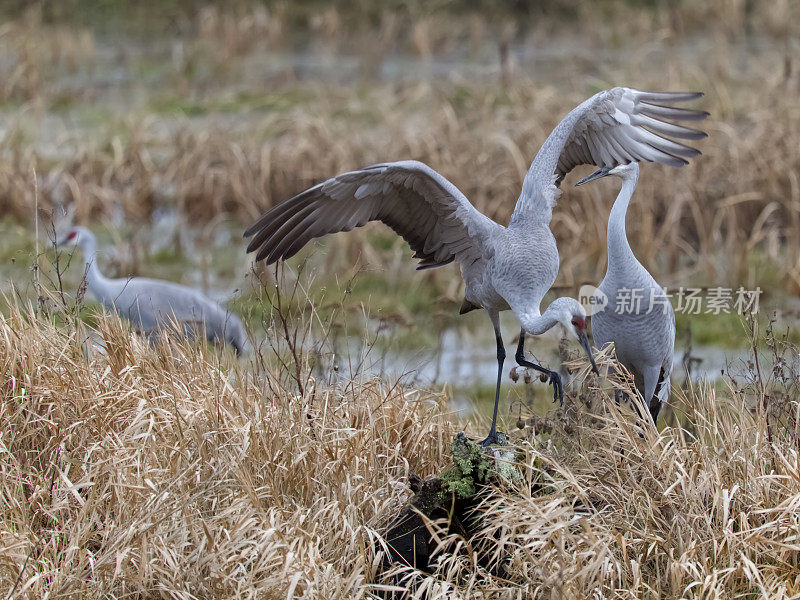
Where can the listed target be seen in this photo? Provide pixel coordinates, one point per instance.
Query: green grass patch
(722, 330)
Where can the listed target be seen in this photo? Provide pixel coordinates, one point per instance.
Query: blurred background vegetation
(170, 125)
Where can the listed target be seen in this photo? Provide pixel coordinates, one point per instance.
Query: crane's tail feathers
(429, 262)
(664, 391)
(467, 306)
(240, 347)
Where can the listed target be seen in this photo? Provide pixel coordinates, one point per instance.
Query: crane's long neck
(539, 324)
(620, 254)
(97, 282)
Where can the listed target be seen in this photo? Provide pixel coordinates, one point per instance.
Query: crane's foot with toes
(545, 374)
(495, 438)
(558, 388)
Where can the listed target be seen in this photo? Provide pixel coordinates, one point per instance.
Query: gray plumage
(153, 305)
(643, 330)
(503, 267)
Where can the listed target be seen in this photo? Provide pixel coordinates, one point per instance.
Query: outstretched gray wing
(428, 211)
(619, 125)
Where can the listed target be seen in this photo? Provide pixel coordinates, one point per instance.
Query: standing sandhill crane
(638, 316)
(503, 267)
(153, 304)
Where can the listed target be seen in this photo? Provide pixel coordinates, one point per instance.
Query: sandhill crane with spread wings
(503, 267)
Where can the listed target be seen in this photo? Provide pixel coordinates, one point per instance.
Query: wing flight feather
(619, 125)
(428, 211)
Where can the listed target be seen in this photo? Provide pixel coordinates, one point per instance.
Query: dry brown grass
(155, 471)
(708, 514)
(162, 472)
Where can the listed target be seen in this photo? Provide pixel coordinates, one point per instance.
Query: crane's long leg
(653, 378)
(553, 377)
(656, 402)
(501, 357)
(620, 396)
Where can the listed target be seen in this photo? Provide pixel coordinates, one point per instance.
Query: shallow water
(464, 362)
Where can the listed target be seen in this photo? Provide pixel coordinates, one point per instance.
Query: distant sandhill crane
(503, 267)
(638, 316)
(153, 305)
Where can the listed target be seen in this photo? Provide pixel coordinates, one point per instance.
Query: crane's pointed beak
(584, 340)
(602, 172)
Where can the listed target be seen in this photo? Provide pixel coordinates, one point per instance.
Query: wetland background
(175, 471)
(168, 127)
